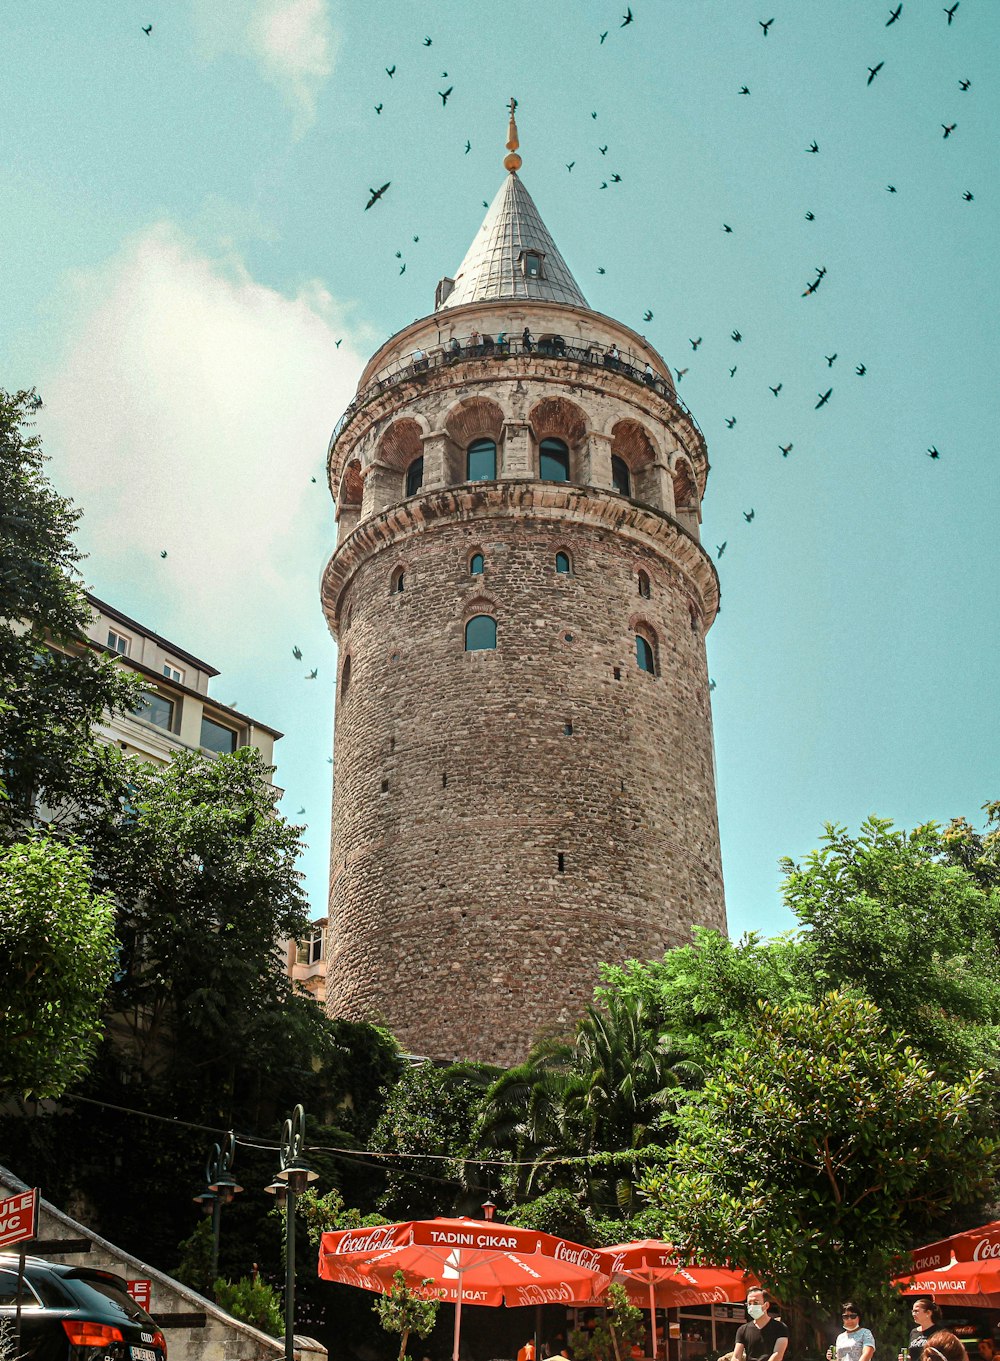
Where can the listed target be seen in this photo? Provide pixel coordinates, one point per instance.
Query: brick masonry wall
(457, 788)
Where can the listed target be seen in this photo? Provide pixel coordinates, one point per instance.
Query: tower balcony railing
(593, 354)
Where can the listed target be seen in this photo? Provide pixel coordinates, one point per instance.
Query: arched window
(481, 461)
(644, 585)
(480, 633)
(563, 563)
(553, 461)
(645, 655)
(415, 476)
(345, 678)
(397, 580)
(477, 565)
(621, 478)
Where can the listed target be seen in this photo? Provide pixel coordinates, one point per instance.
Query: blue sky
(184, 245)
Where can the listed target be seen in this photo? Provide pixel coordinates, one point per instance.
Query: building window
(621, 478)
(397, 581)
(156, 709)
(345, 678)
(644, 585)
(173, 673)
(415, 476)
(531, 264)
(563, 563)
(553, 461)
(480, 633)
(311, 950)
(477, 565)
(117, 642)
(481, 461)
(217, 737)
(645, 654)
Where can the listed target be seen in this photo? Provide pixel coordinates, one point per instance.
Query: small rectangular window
(217, 737)
(173, 673)
(561, 863)
(117, 642)
(156, 709)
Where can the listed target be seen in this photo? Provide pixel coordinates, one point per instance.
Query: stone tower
(523, 765)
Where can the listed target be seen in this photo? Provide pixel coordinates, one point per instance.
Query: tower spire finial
(512, 162)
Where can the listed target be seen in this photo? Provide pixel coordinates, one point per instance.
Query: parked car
(76, 1313)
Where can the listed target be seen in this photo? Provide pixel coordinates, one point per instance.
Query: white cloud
(292, 41)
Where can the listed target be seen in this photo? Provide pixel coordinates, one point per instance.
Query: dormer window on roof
(531, 264)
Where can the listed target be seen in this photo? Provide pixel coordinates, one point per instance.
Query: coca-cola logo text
(985, 1248)
(373, 1240)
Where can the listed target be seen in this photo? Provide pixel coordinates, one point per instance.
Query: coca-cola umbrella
(650, 1268)
(469, 1261)
(963, 1269)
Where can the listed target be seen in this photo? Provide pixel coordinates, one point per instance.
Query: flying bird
(732, 372)
(337, 343)
(764, 26)
(730, 421)
(416, 238)
(680, 373)
(861, 370)
(163, 552)
(874, 70)
(297, 652)
(378, 108)
(603, 150)
(603, 36)
(468, 147)
(891, 189)
(627, 18)
(810, 217)
(311, 675)
(616, 179)
(601, 269)
(964, 84)
(711, 684)
(824, 397)
(967, 196)
(726, 227)
(932, 451)
(720, 548)
(786, 449)
(949, 128)
(744, 89)
(951, 12)
(593, 114)
(748, 516)
(695, 343)
(604, 185)
(300, 812)
(813, 147)
(312, 479)
(444, 95)
(777, 389)
(402, 268)
(737, 336)
(390, 71)
(427, 42)
(647, 315)
(829, 359)
(893, 15)
(570, 165)
(149, 28)
(376, 194)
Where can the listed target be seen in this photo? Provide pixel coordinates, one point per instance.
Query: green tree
(57, 951)
(253, 1301)
(819, 1149)
(614, 1334)
(54, 686)
(405, 1311)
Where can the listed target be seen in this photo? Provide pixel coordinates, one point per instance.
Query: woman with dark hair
(944, 1346)
(926, 1320)
(854, 1343)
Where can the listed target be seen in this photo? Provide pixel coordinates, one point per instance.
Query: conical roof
(494, 265)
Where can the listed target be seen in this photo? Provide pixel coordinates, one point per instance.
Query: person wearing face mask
(855, 1343)
(765, 1337)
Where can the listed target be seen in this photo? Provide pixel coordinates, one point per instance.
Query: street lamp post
(293, 1176)
(220, 1189)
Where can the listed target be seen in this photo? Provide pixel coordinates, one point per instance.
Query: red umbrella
(468, 1260)
(667, 1284)
(972, 1245)
(968, 1283)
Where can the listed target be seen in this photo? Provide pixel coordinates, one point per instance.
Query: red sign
(18, 1217)
(141, 1292)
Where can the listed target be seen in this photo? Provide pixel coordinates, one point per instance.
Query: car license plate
(143, 1354)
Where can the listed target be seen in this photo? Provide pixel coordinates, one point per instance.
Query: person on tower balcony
(527, 344)
(764, 1338)
(611, 357)
(648, 376)
(503, 344)
(474, 342)
(454, 349)
(487, 343)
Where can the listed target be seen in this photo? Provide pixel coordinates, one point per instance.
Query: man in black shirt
(764, 1338)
